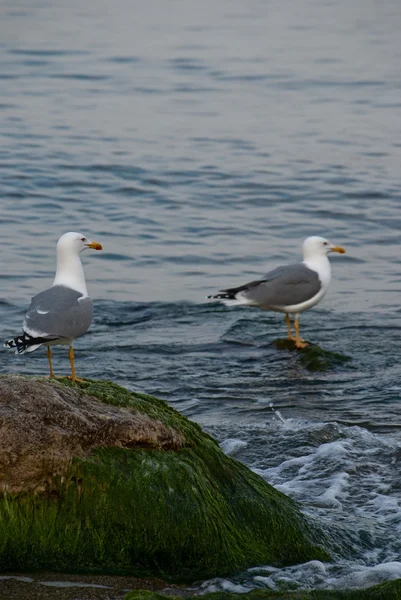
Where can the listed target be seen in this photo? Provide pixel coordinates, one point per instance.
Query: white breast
(321, 265)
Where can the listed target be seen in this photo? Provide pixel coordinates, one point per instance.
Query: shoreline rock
(47, 586)
(98, 479)
(390, 590)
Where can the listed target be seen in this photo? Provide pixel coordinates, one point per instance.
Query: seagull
(64, 311)
(290, 289)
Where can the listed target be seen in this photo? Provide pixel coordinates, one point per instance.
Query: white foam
(311, 575)
(17, 578)
(267, 582)
(337, 488)
(347, 477)
(218, 584)
(363, 577)
(73, 584)
(231, 446)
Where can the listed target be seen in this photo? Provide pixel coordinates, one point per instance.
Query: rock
(95, 478)
(44, 426)
(61, 586)
(391, 590)
(312, 357)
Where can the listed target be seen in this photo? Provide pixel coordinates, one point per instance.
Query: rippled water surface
(200, 143)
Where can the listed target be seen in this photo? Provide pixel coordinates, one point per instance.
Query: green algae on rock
(391, 590)
(312, 357)
(114, 481)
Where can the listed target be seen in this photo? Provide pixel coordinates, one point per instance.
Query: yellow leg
(73, 374)
(49, 358)
(288, 321)
(299, 342)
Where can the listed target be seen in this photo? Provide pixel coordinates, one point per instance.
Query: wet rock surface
(44, 425)
(98, 479)
(48, 586)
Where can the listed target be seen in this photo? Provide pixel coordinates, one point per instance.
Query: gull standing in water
(290, 289)
(64, 311)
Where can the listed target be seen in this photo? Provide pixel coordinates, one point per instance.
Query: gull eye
(83, 239)
(325, 244)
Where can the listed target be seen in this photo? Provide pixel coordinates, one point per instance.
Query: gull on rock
(64, 311)
(290, 289)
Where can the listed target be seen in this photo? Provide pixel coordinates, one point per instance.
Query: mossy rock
(391, 590)
(312, 357)
(114, 481)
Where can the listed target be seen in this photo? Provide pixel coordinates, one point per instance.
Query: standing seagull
(64, 311)
(290, 289)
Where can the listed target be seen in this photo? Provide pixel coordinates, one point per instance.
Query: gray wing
(58, 312)
(284, 286)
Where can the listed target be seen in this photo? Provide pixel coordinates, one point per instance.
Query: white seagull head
(315, 246)
(75, 243)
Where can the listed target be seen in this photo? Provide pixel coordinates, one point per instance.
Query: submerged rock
(313, 357)
(97, 478)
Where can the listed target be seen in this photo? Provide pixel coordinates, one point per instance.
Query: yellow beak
(338, 249)
(95, 246)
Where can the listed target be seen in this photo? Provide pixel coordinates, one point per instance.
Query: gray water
(200, 143)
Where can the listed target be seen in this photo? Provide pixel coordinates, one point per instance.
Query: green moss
(313, 358)
(184, 515)
(390, 590)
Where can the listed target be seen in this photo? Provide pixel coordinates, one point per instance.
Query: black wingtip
(18, 343)
(222, 296)
(9, 344)
(21, 342)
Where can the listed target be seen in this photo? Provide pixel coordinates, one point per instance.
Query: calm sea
(200, 143)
